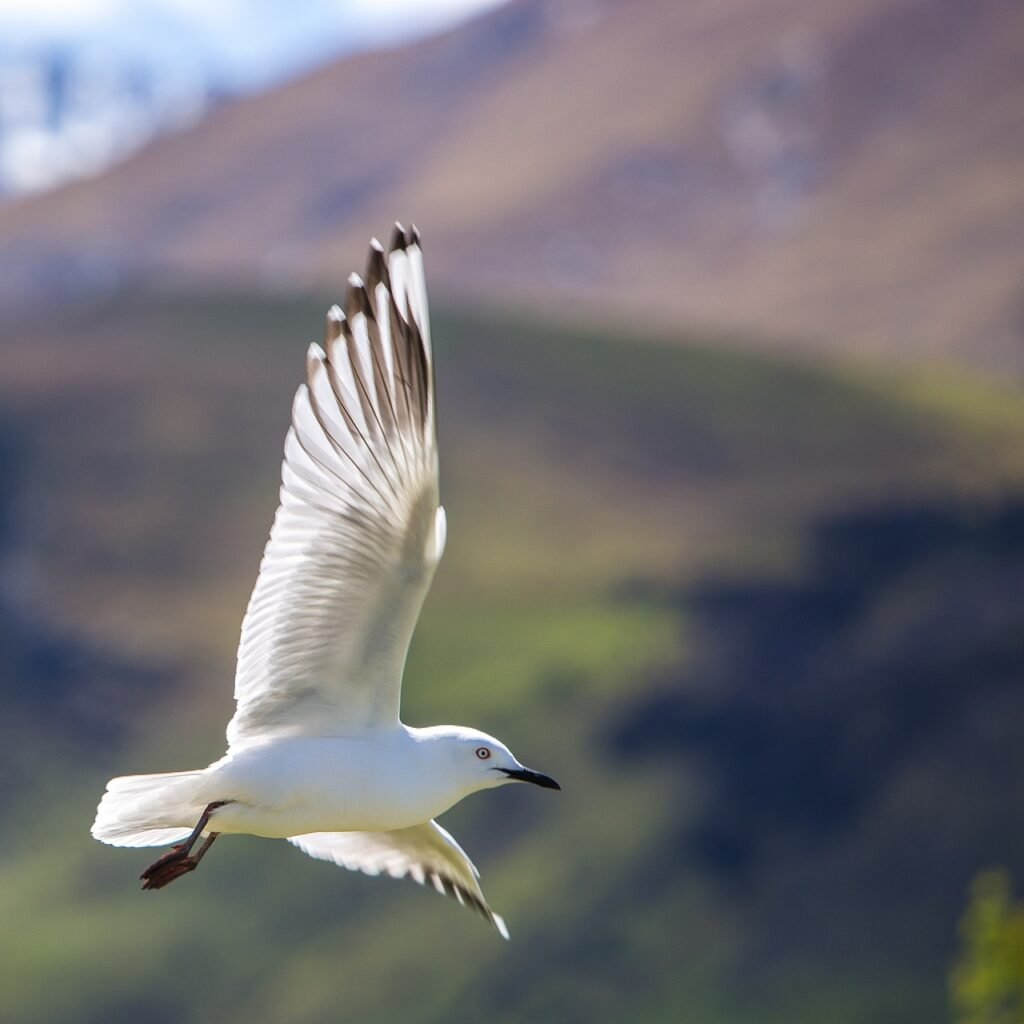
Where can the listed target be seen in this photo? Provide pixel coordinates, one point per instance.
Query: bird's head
(483, 762)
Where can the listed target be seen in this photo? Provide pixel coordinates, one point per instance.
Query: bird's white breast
(376, 782)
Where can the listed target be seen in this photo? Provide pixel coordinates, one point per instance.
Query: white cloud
(240, 34)
(56, 12)
(435, 10)
(396, 20)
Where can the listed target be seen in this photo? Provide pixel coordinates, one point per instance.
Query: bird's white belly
(296, 786)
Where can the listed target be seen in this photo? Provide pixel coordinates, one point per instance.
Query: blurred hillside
(838, 175)
(761, 618)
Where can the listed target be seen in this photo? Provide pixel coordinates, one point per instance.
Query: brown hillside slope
(839, 172)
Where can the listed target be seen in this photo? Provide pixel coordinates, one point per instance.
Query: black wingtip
(397, 238)
(412, 236)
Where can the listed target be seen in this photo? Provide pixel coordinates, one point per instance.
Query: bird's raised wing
(426, 853)
(359, 531)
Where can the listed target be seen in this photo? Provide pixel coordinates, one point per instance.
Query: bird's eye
(483, 753)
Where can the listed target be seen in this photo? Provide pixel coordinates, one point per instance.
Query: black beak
(527, 775)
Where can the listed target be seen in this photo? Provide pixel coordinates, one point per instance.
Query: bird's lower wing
(359, 532)
(426, 853)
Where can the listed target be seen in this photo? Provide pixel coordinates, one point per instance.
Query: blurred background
(728, 300)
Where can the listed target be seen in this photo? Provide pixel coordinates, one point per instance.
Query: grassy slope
(585, 479)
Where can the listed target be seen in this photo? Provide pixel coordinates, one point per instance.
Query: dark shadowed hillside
(65, 697)
(858, 729)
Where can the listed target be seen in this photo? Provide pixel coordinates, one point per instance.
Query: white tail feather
(148, 810)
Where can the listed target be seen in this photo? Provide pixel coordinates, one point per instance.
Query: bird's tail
(148, 810)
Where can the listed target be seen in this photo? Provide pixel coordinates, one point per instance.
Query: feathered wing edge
(425, 853)
(359, 490)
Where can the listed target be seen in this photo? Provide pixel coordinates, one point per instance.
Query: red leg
(177, 861)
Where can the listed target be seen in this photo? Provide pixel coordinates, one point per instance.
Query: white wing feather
(359, 532)
(426, 853)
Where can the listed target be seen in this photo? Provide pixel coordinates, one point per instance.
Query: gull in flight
(317, 753)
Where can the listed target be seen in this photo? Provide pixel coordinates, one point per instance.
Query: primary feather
(426, 853)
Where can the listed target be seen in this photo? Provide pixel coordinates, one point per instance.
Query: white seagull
(316, 753)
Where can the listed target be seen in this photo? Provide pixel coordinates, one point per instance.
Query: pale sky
(247, 42)
(186, 48)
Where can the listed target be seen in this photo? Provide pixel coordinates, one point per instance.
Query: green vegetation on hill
(987, 981)
(759, 617)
